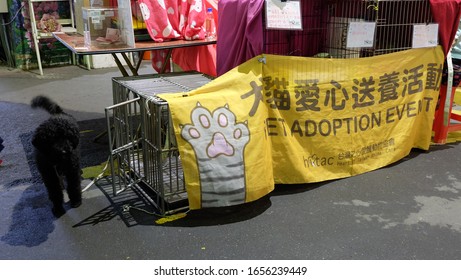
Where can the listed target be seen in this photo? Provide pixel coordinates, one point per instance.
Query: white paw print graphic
(219, 143)
(215, 133)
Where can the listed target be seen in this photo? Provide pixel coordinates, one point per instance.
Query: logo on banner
(219, 143)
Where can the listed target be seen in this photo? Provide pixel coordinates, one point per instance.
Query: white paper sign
(425, 35)
(360, 34)
(283, 15)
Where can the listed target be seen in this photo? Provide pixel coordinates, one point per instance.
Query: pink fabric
(202, 59)
(179, 19)
(240, 34)
(158, 57)
(447, 14)
(173, 19)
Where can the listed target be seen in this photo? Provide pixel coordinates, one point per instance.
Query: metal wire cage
(325, 26)
(143, 152)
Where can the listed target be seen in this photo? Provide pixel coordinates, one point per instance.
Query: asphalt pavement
(409, 210)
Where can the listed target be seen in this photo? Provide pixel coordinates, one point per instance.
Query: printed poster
(290, 120)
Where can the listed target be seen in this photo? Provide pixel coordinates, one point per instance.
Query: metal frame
(37, 34)
(325, 24)
(143, 151)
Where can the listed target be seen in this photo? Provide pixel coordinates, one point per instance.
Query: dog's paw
(75, 204)
(58, 211)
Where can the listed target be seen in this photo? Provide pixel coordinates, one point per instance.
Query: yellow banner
(279, 119)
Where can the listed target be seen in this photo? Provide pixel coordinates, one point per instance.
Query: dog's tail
(45, 103)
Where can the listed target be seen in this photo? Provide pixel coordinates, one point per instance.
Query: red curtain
(447, 14)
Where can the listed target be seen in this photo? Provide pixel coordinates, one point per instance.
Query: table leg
(120, 66)
(165, 63)
(134, 68)
(134, 71)
(140, 58)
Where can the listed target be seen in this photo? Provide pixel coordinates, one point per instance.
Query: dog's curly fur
(58, 155)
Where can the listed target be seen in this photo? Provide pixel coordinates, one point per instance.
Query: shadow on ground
(134, 209)
(32, 219)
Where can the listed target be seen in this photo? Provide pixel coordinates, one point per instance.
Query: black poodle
(58, 155)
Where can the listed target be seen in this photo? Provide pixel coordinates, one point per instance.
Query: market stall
(322, 108)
